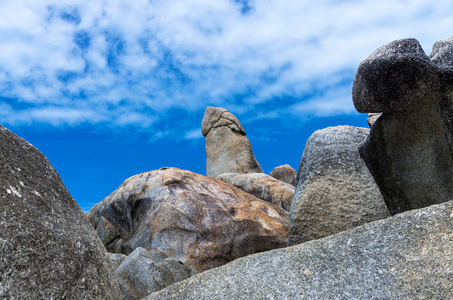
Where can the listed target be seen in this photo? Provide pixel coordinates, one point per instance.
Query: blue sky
(108, 89)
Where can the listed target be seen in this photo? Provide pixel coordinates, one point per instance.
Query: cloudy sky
(107, 89)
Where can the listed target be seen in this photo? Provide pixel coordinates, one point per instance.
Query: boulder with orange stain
(201, 221)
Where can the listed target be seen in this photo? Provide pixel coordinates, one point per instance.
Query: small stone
(285, 173)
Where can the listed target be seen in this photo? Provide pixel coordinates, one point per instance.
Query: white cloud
(334, 102)
(193, 134)
(133, 62)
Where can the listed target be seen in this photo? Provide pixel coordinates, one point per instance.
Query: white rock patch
(14, 191)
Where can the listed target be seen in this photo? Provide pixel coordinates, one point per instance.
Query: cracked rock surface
(201, 221)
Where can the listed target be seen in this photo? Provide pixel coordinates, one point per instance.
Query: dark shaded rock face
(146, 271)
(200, 221)
(284, 173)
(335, 190)
(228, 150)
(48, 249)
(407, 256)
(410, 147)
(262, 186)
(396, 77)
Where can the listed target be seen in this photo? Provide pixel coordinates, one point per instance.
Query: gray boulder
(262, 186)
(228, 150)
(335, 190)
(442, 56)
(407, 256)
(285, 173)
(198, 220)
(48, 249)
(144, 272)
(409, 150)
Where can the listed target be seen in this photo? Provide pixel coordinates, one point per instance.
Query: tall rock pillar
(410, 147)
(228, 150)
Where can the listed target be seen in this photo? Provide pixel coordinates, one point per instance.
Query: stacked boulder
(285, 173)
(410, 147)
(335, 190)
(48, 249)
(262, 186)
(228, 150)
(200, 221)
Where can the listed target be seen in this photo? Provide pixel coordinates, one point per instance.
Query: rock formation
(410, 147)
(285, 173)
(200, 221)
(228, 150)
(408, 256)
(144, 272)
(335, 190)
(48, 249)
(262, 186)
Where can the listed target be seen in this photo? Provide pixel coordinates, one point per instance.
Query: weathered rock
(408, 256)
(48, 249)
(396, 77)
(228, 150)
(285, 173)
(200, 221)
(262, 186)
(442, 55)
(335, 190)
(144, 272)
(372, 117)
(116, 259)
(410, 147)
